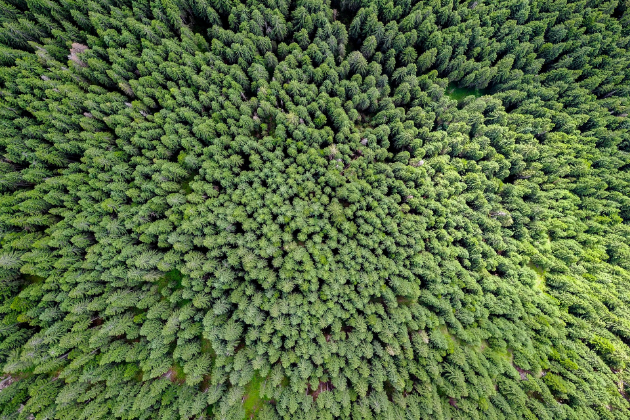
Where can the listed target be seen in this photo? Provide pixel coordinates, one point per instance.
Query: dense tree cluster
(273, 209)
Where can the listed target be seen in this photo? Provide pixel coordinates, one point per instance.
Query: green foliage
(215, 209)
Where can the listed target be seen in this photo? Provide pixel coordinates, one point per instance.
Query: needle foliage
(314, 209)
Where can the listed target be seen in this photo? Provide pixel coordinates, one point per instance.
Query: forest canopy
(314, 209)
